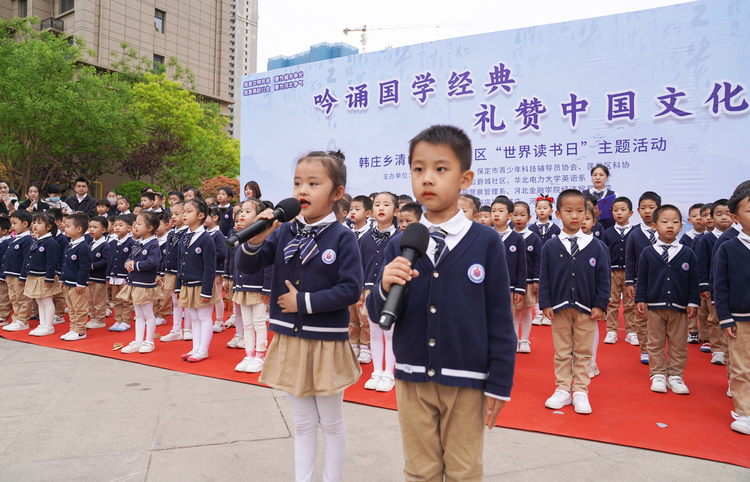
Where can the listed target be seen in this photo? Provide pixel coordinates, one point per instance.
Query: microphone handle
(396, 295)
(249, 232)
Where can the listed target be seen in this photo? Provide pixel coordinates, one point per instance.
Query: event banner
(659, 96)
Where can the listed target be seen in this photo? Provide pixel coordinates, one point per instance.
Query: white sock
(525, 315)
(46, 311)
(238, 324)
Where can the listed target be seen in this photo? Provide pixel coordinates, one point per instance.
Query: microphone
(286, 210)
(413, 246)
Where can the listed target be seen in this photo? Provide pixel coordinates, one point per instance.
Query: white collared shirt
(80, 199)
(76, 242)
(144, 241)
(48, 235)
(504, 235)
(213, 230)
(163, 239)
(25, 233)
(717, 232)
(743, 237)
(98, 242)
(525, 232)
(359, 232)
(456, 227)
(737, 226)
(325, 222)
(674, 248)
(583, 240)
(123, 239)
(627, 228)
(196, 234)
(646, 230)
(5, 238)
(692, 233)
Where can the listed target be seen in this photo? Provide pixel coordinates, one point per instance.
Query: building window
(22, 13)
(66, 5)
(158, 63)
(159, 21)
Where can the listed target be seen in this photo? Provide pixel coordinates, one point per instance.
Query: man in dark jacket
(81, 201)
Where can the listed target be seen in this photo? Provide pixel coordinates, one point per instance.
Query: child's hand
(731, 332)
(266, 299)
(205, 300)
(630, 292)
(549, 313)
(706, 294)
(79, 290)
(493, 410)
(517, 298)
(597, 313)
(159, 281)
(288, 301)
(535, 289)
(50, 283)
(361, 300)
(21, 283)
(267, 214)
(641, 307)
(129, 266)
(398, 272)
(692, 311)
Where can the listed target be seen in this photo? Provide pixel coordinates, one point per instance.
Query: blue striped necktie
(440, 246)
(379, 236)
(303, 241)
(651, 236)
(543, 229)
(34, 243)
(665, 254)
(573, 245)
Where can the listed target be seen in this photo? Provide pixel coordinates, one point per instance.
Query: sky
(288, 27)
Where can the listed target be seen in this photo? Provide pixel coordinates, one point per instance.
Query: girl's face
(384, 209)
(520, 217)
(191, 217)
(599, 178)
(211, 221)
(32, 193)
(249, 193)
(313, 188)
(543, 211)
(39, 228)
(222, 197)
(588, 223)
(246, 216)
(141, 229)
(177, 216)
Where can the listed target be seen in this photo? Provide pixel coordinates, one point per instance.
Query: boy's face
(596, 208)
(146, 203)
(722, 217)
(437, 180)
(669, 225)
(571, 213)
(467, 206)
(18, 226)
(173, 199)
(71, 230)
(696, 220)
(543, 211)
(743, 215)
(405, 218)
(646, 210)
(123, 205)
(96, 230)
(588, 223)
(137, 210)
(121, 228)
(222, 197)
(384, 210)
(485, 218)
(520, 217)
(357, 213)
(621, 213)
(500, 216)
(707, 219)
(101, 209)
(188, 195)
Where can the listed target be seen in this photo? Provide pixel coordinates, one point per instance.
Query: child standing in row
(98, 276)
(407, 214)
(360, 213)
(15, 269)
(5, 240)
(75, 275)
(546, 230)
(119, 253)
(220, 246)
(164, 304)
(615, 238)
(515, 248)
(41, 284)
(317, 276)
(533, 243)
(169, 267)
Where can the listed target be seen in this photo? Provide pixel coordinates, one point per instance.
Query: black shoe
(693, 338)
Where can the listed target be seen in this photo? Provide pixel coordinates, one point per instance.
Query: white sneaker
(133, 347)
(524, 346)
(172, 336)
(729, 389)
(594, 370)
(187, 335)
(546, 321)
(558, 400)
(611, 338)
(92, 325)
(741, 423)
(230, 322)
(386, 383)
(147, 347)
(634, 340)
(537, 318)
(241, 343)
(644, 358)
(73, 336)
(233, 342)
(242, 366)
(372, 383)
(108, 313)
(218, 327)
(581, 403)
(161, 322)
(659, 384)
(16, 326)
(677, 386)
(58, 320)
(256, 365)
(43, 331)
(33, 332)
(356, 350)
(4, 322)
(365, 356)
(717, 357)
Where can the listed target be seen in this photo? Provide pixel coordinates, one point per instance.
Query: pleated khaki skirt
(37, 288)
(190, 297)
(139, 295)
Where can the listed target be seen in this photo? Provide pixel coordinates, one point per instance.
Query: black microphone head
(416, 236)
(290, 207)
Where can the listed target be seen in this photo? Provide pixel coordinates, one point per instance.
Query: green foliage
(210, 187)
(133, 67)
(133, 190)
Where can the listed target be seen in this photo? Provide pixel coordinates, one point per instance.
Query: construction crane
(364, 29)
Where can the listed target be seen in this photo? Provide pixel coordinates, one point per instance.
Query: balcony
(52, 24)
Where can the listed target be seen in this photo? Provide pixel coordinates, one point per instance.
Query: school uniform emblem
(41, 249)
(329, 256)
(198, 250)
(530, 248)
(686, 266)
(16, 247)
(74, 257)
(476, 272)
(512, 249)
(144, 252)
(554, 235)
(98, 255)
(125, 250)
(592, 262)
(596, 233)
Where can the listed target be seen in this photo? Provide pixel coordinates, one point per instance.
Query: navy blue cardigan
(668, 285)
(3, 248)
(372, 254)
(581, 282)
(62, 242)
(147, 258)
(704, 252)
(118, 256)
(515, 257)
(226, 222)
(197, 264)
(552, 232)
(730, 233)
(533, 257)
(616, 246)
(220, 243)
(328, 284)
(99, 263)
(229, 264)
(259, 282)
(171, 252)
(634, 246)
(44, 259)
(76, 265)
(455, 327)
(15, 257)
(731, 279)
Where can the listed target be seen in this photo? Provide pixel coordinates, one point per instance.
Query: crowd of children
(490, 274)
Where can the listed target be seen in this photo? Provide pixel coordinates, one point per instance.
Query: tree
(134, 67)
(152, 156)
(57, 115)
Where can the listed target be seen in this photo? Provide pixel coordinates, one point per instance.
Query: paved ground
(72, 416)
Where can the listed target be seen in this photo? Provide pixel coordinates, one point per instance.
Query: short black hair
(505, 201)
(178, 194)
(54, 188)
(4, 223)
(485, 209)
(82, 179)
(698, 206)
(413, 207)
(666, 207)
(736, 199)
(569, 193)
(149, 195)
(743, 186)
(80, 220)
(405, 197)
(650, 196)
(125, 218)
(103, 202)
(707, 207)
(524, 204)
(451, 136)
(227, 190)
(623, 199)
(591, 198)
(125, 198)
(56, 213)
(22, 215)
(163, 216)
(101, 220)
(720, 202)
(366, 201)
(159, 195)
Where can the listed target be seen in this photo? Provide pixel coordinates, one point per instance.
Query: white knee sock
(238, 325)
(148, 313)
(259, 325)
(525, 315)
(377, 346)
(189, 314)
(176, 313)
(516, 320)
(46, 311)
(247, 321)
(192, 315)
(140, 323)
(206, 327)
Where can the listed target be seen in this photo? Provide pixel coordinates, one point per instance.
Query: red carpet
(625, 411)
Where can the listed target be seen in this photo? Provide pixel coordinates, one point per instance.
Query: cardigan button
(433, 309)
(431, 342)
(431, 372)
(435, 274)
